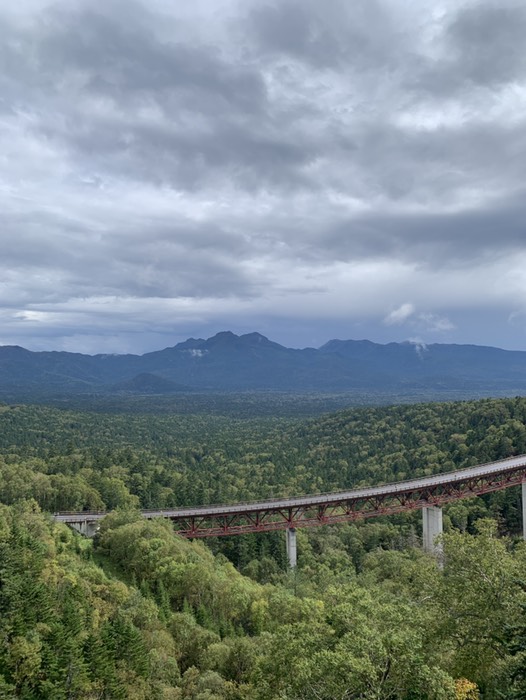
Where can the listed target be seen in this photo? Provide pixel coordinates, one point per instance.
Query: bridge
(428, 494)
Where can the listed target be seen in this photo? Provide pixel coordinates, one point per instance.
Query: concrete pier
(432, 527)
(292, 549)
(524, 510)
(87, 528)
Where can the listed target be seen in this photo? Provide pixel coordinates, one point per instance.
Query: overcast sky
(306, 169)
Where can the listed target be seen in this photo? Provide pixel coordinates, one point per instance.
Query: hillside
(141, 614)
(144, 615)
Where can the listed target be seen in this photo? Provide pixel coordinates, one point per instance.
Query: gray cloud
(324, 36)
(487, 41)
(437, 239)
(132, 103)
(475, 50)
(182, 168)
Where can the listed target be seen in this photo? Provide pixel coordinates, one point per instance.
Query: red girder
(330, 513)
(324, 509)
(327, 513)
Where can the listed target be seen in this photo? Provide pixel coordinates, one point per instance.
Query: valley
(139, 612)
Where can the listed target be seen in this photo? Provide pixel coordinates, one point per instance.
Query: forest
(141, 613)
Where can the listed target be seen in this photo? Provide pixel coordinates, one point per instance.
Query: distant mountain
(229, 362)
(147, 383)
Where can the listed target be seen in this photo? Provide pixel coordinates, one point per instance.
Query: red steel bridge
(427, 493)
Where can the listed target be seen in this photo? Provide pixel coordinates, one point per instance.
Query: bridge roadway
(426, 493)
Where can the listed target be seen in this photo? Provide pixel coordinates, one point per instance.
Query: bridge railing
(459, 475)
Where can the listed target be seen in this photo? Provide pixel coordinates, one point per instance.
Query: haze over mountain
(229, 362)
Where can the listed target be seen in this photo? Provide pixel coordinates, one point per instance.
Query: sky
(308, 170)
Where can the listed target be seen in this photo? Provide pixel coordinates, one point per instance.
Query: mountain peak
(256, 338)
(335, 344)
(223, 335)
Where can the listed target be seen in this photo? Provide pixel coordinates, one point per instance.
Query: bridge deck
(511, 465)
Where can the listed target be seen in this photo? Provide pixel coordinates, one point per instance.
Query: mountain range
(228, 362)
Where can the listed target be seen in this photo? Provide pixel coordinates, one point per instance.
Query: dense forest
(141, 613)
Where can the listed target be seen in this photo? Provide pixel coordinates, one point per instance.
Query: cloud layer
(307, 170)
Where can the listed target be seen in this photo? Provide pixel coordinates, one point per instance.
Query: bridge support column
(292, 549)
(524, 510)
(86, 528)
(432, 527)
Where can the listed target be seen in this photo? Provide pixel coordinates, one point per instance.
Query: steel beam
(323, 509)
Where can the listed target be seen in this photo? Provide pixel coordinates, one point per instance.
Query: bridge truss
(325, 509)
(267, 517)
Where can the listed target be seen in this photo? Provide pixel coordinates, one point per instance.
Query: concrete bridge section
(427, 493)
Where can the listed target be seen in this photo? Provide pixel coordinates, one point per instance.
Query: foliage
(140, 613)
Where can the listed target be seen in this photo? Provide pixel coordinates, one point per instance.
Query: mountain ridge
(251, 361)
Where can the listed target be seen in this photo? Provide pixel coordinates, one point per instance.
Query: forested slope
(79, 460)
(140, 613)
